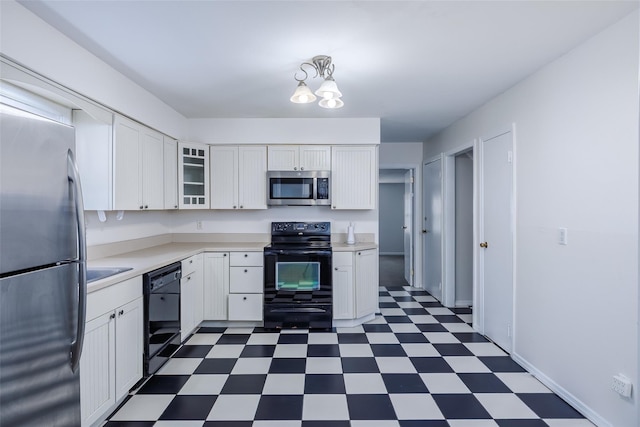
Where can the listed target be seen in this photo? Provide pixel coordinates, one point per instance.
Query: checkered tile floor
(416, 364)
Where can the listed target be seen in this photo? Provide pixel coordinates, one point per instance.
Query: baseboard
(464, 303)
(576, 403)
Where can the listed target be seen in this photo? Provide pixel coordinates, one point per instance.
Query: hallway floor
(417, 364)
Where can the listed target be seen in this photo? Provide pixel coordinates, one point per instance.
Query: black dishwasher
(161, 316)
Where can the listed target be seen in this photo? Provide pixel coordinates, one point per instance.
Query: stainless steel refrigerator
(42, 272)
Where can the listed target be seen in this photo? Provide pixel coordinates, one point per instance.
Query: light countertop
(145, 260)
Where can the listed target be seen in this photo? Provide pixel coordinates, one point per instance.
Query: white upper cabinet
(121, 163)
(354, 177)
(238, 177)
(299, 157)
(193, 175)
(170, 173)
(139, 164)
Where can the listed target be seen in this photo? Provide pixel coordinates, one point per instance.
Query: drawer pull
(244, 298)
(246, 255)
(245, 270)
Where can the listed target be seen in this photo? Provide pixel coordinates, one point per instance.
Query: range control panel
(301, 228)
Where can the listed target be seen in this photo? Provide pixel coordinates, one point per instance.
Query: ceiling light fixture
(328, 90)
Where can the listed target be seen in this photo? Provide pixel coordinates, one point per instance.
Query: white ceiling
(418, 65)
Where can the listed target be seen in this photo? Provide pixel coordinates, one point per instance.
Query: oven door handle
(318, 252)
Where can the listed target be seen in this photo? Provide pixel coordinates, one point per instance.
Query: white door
(432, 228)
(496, 238)
(407, 227)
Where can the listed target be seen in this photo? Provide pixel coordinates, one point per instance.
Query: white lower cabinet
(191, 292)
(111, 362)
(216, 285)
(355, 284)
(245, 286)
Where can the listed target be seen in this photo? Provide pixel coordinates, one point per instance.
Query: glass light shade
(331, 103)
(328, 89)
(302, 94)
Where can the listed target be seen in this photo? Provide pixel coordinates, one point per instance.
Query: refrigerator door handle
(76, 344)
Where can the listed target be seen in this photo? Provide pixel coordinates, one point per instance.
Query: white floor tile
(350, 330)
(444, 383)
(264, 339)
(395, 365)
(484, 349)
(375, 423)
(181, 366)
(175, 423)
(239, 330)
(505, 405)
(266, 423)
(522, 382)
(284, 384)
(229, 407)
(422, 319)
(290, 350)
(325, 407)
(568, 422)
(439, 311)
(458, 327)
(355, 350)
(364, 384)
(405, 328)
(441, 338)
(382, 338)
(204, 384)
(466, 364)
(323, 338)
(416, 406)
(143, 407)
(324, 365)
(392, 312)
(409, 304)
(472, 423)
(420, 350)
(252, 365)
(226, 351)
(203, 339)
(424, 298)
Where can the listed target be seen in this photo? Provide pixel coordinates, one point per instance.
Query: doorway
(396, 218)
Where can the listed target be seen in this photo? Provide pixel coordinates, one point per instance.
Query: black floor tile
(424, 423)
(370, 407)
(211, 330)
(130, 424)
(548, 405)
(483, 383)
(376, 327)
(404, 383)
(469, 337)
(192, 351)
(431, 327)
(414, 311)
(164, 384)
(326, 424)
(522, 423)
(448, 318)
(228, 424)
(280, 407)
(352, 339)
(258, 351)
(460, 406)
(501, 364)
(324, 384)
(215, 366)
(244, 384)
(189, 407)
(411, 338)
(293, 339)
(427, 365)
(288, 366)
(323, 350)
(452, 350)
(388, 350)
(359, 365)
(397, 319)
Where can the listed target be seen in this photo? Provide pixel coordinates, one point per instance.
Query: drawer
(342, 258)
(112, 297)
(191, 264)
(245, 306)
(241, 259)
(246, 280)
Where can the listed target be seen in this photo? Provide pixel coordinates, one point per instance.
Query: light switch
(563, 236)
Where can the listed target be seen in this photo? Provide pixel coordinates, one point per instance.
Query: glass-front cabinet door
(194, 176)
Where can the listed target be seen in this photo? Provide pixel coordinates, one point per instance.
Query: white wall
(576, 160)
(31, 42)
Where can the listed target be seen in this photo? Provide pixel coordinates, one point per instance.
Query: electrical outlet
(621, 385)
(563, 236)
(198, 225)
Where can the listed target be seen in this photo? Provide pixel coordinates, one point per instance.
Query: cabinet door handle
(121, 312)
(246, 255)
(336, 268)
(301, 168)
(175, 206)
(146, 206)
(244, 298)
(241, 206)
(295, 168)
(224, 255)
(190, 261)
(234, 207)
(245, 270)
(141, 207)
(112, 316)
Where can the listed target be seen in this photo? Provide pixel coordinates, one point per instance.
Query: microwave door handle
(76, 344)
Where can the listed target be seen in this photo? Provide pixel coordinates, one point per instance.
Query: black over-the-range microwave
(298, 188)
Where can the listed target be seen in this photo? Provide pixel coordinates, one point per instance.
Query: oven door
(297, 277)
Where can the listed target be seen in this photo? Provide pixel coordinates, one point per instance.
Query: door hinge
(510, 156)
(411, 272)
(411, 180)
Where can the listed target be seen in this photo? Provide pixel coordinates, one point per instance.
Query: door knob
(404, 227)
(425, 231)
(484, 245)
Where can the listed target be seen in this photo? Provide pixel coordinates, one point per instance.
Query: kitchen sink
(98, 273)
